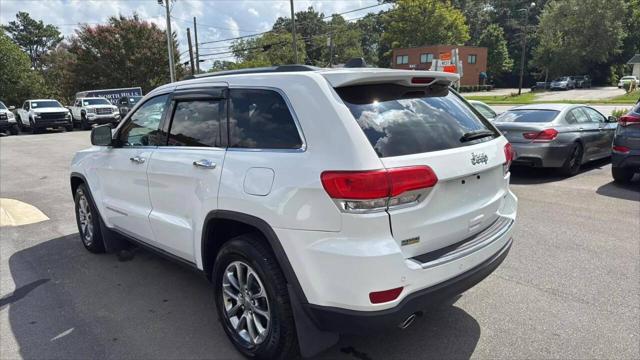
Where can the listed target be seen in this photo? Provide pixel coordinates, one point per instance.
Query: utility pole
(524, 44)
(172, 72)
(195, 33)
(331, 48)
(193, 67)
(293, 31)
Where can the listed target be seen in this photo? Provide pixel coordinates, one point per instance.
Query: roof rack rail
(269, 69)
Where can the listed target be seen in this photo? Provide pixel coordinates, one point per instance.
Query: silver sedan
(562, 136)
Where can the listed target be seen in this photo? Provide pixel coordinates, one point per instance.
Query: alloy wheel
(86, 220)
(246, 304)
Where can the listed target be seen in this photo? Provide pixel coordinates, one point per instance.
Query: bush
(619, 112)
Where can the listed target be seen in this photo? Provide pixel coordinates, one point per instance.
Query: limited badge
(411, 241)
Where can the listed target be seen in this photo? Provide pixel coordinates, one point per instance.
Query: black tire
(280, 340)
(69, 127)
(572, 165)
(14, 130)
(92, 240)
(622, 175)
(84, 123)
(32, 126)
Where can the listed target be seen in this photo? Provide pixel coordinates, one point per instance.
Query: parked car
(483, 109)
(286, 199)
(562, 136)
(8, 121)
(583, 81)
(126, 103)
(563, 83)
(628, 79)
(625, 159)
(94, 110)
(38, 115)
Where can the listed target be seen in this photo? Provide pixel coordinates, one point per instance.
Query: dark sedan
(625, 160)
(559, 136)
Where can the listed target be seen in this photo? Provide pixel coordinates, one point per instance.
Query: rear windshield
(527, 116)
(401, 120)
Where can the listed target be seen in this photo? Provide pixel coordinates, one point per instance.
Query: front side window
(400, 120)
(595, 116)
(471, 59)
(143, 126)
(260, 119)
(197, 123)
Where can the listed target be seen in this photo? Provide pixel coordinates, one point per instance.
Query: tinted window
(87, 102)
(581, 116)
(485, 111)
(196, 123)
(261, 119)
(595, 116)
(530, 116)
(142, 128)
(400, 120)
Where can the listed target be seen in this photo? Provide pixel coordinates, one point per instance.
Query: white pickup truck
(40, 114)
(7, 120)
(94, 110)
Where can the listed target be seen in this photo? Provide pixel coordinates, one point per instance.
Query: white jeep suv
(317, 201)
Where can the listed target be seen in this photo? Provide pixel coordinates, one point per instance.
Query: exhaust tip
(408, 321)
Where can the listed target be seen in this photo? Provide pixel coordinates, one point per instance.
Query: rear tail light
(422, 80)
(621, 149)
(377, 190)
(508, 155)
(629, 119)
(378, 297)
(542, 136)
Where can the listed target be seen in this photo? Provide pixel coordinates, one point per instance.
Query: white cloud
(216, 19)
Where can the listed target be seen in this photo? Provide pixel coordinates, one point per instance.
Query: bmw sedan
(561, 136)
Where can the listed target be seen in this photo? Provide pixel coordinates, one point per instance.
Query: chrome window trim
(303, 146)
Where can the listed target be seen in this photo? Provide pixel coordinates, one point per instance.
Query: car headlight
(37, 116)
(68, 116)
(10, 115)
(91, 110)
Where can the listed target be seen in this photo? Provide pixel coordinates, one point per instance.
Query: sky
(217, 19)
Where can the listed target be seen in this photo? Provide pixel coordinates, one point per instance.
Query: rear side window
(196, 123)
(528, 116)
(401, 120)
(260, 119)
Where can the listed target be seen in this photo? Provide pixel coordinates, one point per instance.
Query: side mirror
(101, 136)
(12, 107)
(612, 119)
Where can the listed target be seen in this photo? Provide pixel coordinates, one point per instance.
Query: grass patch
(530, 98)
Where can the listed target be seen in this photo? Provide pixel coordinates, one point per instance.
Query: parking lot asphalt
(570, 287)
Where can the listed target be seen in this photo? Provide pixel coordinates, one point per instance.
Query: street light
(524, 43)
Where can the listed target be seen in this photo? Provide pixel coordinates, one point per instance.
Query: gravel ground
(568, 289)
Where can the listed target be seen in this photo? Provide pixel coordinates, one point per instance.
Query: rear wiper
(476, 134)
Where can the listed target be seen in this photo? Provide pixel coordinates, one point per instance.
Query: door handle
(204, 163)
(137, 159)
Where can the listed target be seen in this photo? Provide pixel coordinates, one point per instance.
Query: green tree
(269, 49)
(125, 52)
(371, 28)
(479, 15)
(310, 25)
(498, 60)
(17, 80)
(580, 34)
(34, 37)
(424, 22)
(346, 41)
(58, 69)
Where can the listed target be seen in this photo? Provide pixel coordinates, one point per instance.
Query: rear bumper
(630, 160)
(541, 154)
(361, 322)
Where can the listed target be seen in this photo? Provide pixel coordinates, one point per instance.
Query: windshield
(45, 104)
(87, 102)
(561, 79)
(628, 77)
(528, 116)
(2, 107)
(400, 120)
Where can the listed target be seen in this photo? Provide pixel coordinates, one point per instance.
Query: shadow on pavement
(69, 303)
(626, 192)
(523, 175)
